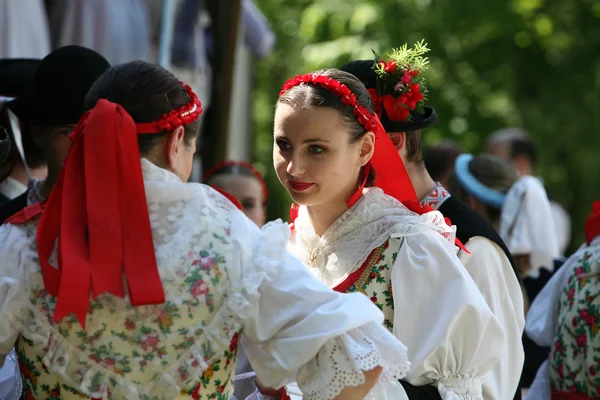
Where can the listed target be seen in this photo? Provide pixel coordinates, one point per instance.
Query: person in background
(117, 29)
(519, 208)
(24, 29)
(242, 181)
(565, 316)
(26, 159)
(517, 146)
(51, 111)
(395, 88)
(439, 160)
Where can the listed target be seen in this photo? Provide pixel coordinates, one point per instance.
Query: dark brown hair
(147, 92)
(317, 96)
(414, 146)
(491, 171)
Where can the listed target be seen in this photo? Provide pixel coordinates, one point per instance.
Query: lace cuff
(460, 388)
(341, 362)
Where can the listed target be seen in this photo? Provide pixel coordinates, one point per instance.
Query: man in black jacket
(487, 260)
(51, 110)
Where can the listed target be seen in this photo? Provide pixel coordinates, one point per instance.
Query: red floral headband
(364, 117)
(182, 116)
(229, 163)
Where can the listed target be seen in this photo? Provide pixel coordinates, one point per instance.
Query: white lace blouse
(453, 338)
(292, 325)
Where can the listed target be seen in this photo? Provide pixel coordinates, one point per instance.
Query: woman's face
(248, 191)
(314, 157)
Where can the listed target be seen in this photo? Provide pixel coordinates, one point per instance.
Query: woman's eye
(316, 149)
(283, 145)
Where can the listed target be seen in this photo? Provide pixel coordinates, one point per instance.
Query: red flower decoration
(388, 67)
(374, 299)
(395, 108)
(584, 313)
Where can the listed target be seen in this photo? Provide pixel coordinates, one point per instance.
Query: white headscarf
(527, 224)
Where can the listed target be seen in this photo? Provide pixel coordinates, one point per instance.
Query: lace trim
(343, 248)
(346, 359)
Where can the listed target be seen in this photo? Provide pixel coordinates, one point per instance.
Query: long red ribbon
(98, 211)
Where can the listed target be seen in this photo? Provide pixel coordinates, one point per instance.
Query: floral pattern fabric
(188, 343)
(375, 279)
(575, 355)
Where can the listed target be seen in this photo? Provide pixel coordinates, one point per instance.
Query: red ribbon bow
(98, 212)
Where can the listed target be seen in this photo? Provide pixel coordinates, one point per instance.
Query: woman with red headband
(242, 181)
(135, 285)
(353, 232)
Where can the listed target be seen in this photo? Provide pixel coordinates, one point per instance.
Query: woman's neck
(323, 216)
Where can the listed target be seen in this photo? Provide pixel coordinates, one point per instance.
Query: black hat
(4, 145)
(363, 70)
(61, 82)
(16, 76)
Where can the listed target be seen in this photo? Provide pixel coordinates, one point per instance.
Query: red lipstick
(300, 186)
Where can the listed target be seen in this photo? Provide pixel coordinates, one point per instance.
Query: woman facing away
(135, 285)
(334, 158)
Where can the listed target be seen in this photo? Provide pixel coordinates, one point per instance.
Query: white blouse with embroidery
(222, 277)
(454, 339)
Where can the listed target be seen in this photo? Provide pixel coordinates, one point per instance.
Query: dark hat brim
(418, 121)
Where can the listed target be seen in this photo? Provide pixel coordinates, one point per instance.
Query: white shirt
(454, 339)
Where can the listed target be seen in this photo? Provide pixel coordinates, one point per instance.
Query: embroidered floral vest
(183, 349)
(373, 279)
(575, 356)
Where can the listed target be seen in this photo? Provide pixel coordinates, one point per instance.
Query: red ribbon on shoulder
(592, 223)
(98, 212)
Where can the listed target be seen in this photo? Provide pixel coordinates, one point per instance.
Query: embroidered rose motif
(581, 340)
(150, 343)
(200, 288)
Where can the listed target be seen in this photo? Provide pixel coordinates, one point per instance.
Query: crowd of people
(401, 273)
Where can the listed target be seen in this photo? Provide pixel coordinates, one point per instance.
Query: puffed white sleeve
(453, 338)
(296, 328)
(12, 298)
(497, 281)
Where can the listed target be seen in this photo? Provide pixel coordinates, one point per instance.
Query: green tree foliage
(496, 63)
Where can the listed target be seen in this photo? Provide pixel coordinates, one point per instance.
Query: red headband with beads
(391, 175)
(214, 170)
(98, 212)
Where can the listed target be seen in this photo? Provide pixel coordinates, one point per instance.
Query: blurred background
(533, 64)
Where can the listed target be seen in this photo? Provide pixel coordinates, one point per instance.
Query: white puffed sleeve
(491, 270)
(12, 296)
(453, 338)
(297, 328)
